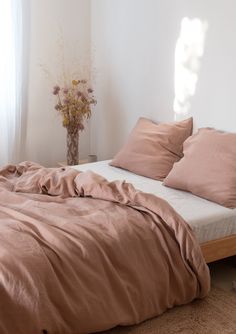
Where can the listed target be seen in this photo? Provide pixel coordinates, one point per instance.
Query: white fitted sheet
(209, 220)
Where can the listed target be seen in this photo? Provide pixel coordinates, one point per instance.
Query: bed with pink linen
(80, 254)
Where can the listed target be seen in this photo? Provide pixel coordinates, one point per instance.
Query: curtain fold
(12, 110)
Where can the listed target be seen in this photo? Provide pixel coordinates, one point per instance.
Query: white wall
(50, 19)
(133, 43)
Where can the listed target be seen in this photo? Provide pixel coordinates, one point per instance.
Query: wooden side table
(81, 162)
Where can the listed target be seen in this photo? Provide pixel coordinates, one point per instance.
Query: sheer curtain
(11, 81)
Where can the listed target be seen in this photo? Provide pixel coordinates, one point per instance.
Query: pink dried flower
(57, 106)
(90, 90)
(80, 126)
(79, 94)
(66, 101)
(56, 90)
(65, 91)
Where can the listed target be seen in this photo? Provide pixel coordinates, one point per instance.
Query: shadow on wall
(114, 120)
(147, 60)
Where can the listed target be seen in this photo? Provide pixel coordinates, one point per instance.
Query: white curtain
(12, 115)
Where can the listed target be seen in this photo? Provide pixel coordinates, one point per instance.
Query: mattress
(208, 220)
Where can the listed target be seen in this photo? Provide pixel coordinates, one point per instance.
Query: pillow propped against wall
(153, 148)
(208, 168)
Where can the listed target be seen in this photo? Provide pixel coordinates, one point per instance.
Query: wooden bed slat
(219, 249)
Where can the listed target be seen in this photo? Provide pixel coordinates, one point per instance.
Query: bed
(80, 254)
(213, 224)
(84, 252)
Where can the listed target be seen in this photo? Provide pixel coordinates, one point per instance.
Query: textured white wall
(132, 46)
(46, 138)
(133, 43)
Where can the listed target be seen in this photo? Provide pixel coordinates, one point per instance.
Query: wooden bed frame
(219, 249)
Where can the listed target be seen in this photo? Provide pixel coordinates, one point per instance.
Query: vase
(72, 141)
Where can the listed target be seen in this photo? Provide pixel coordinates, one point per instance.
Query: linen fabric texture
(80, 254)
(152, 149)
(208, 168)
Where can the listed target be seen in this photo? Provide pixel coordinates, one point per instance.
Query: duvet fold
(79, 254)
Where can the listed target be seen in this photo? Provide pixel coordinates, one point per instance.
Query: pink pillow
(153, 148)
(208, 168)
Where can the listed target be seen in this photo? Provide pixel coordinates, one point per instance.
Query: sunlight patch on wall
(188, 53)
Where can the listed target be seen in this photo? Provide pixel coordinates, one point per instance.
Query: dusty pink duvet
(79, 254)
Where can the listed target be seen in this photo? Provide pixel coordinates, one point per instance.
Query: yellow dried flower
(74, 104)
(65, 121)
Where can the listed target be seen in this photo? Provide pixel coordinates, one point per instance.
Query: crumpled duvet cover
(79, 254)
